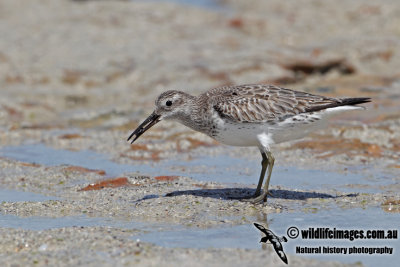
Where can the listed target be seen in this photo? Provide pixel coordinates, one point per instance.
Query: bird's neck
(193, 116)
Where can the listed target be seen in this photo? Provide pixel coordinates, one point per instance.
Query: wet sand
(77, 76)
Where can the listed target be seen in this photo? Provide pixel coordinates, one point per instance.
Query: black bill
(150, 121)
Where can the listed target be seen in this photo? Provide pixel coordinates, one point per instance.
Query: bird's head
(170, 105)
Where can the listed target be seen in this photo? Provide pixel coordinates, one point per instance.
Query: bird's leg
(263, 196)
(271, 160)
(264, 166)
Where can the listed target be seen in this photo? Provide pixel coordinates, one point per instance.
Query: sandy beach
(76, 77)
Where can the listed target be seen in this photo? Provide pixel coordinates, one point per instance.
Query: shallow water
(247, 236)
(43, 223)
(47, 156)
(225, 169)
(210, 4)
(19, 196)
(243, 236)
(222, 169)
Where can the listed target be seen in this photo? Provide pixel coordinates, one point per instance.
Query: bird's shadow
(237, 193)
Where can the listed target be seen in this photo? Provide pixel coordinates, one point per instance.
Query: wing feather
(260, 103)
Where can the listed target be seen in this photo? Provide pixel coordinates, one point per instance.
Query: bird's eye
(168, 103)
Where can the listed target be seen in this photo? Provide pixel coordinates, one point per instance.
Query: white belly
(244, 134)
(265, 134)
(248, 134)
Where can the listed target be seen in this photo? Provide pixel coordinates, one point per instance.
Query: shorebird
(274, 240)
(249, 115)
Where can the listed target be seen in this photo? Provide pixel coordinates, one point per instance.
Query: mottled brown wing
(260, 103)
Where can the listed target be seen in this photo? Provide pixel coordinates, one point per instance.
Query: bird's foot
(256, 198)
(260, 199)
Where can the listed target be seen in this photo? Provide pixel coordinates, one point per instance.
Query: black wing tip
(341, 102)
(355, 101)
